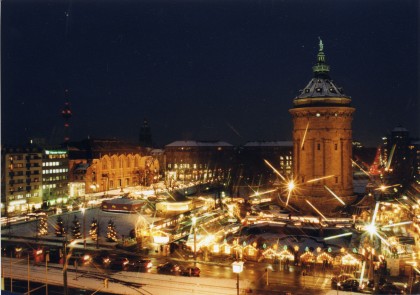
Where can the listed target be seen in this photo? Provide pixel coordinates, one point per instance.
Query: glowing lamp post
(84, 227)
(237, 268)
(194, 221)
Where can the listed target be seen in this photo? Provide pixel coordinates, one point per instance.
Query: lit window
(318, 114)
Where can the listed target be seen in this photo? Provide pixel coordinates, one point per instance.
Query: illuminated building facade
(198, 160)
(322, 139)
(100, 165)
(55, 168)
(21, 189)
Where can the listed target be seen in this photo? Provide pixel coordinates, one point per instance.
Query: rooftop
(195, 143)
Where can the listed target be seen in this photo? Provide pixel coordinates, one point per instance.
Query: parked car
(169, 268)
(349, 285)
(393, 288)
(81, 259)
(340, 278)
(142, 264)
(190, 271)
(118, 262)
(102, 259)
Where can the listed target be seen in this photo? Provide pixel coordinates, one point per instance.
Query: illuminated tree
(111, 234)
(42, 227)
(94, 229)
(59, 227)
(75, 229)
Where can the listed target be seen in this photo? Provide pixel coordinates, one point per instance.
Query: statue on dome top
(321, 45)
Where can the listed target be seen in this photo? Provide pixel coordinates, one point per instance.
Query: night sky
(202, 70)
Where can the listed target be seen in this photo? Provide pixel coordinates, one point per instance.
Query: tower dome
(321, 89)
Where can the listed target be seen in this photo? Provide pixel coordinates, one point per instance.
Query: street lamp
(84, 227)
(194, 221)
(237, 268)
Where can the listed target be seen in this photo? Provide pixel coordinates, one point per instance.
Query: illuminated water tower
(66, 114)
(322, 141)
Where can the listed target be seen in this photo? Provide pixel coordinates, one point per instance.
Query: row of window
(286, 158)
(57, 156)
(54, 178)
(18, 197)
(50, 164)
(49, 171)
(45, 186)
(318, 147)
(187, 166)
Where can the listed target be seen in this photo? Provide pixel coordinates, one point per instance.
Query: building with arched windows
(103, 165)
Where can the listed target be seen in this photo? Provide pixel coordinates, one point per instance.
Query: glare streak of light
(288, 196)
(290, 186)
(362, 273)
(337, 197)
(250, 187)
(262, 193)
(371, 228)
(367, 173)
(384, 187)
(274, 169)
(391, 154)
(233, 129)
(397, 224)
(304, 136)
(320, 178)
(374, 214)
(319, 212)
(382, 239)
(337, 236)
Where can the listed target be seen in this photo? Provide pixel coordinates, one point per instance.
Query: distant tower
(145, 136)
(66, 114)
(322, 141)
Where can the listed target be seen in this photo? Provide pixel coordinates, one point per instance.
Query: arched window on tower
(318, 146)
